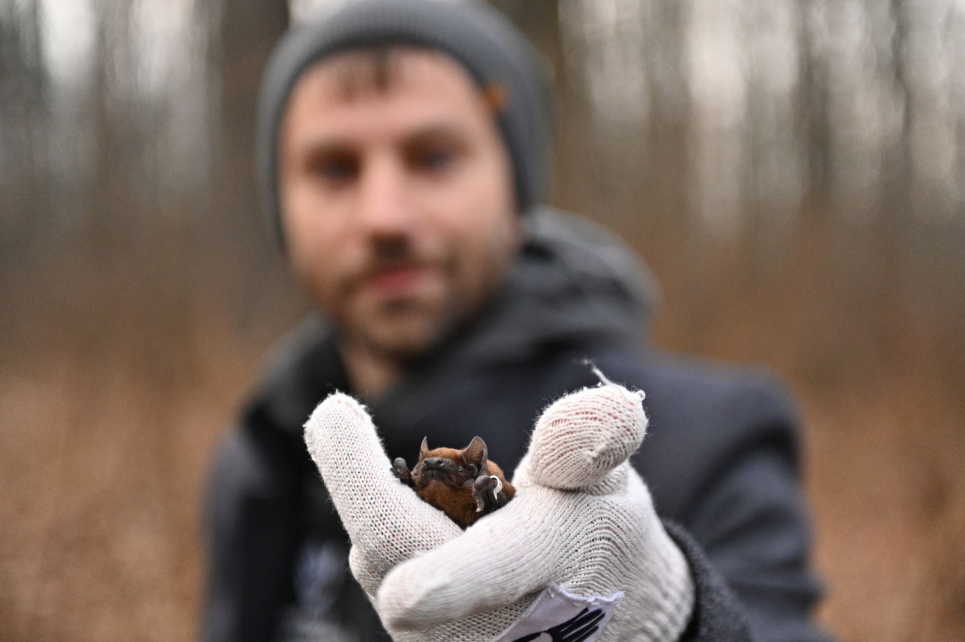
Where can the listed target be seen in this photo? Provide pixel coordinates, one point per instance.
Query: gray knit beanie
(487, 45)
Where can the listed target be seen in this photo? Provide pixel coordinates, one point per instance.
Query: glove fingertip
(337, 403)
(336, 409)
(582, 437)
(330, 420)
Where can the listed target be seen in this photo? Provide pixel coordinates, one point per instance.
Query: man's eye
(435, 160)
(335, 170)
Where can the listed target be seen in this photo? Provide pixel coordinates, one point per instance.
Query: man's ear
(424, 448)
(476, 453)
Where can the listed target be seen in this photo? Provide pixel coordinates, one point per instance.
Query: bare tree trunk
(249, 30)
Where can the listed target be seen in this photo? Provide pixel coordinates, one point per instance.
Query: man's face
(397, 198)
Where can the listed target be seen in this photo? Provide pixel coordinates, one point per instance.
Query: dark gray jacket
(720, 457)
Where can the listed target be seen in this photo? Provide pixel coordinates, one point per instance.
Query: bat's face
(454, 468)
(440, 467)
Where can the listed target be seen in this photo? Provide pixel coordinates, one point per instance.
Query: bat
(464, 484)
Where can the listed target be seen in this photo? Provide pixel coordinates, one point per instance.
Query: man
(404, 148)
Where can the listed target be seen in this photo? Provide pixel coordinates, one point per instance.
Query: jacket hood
(573, 283)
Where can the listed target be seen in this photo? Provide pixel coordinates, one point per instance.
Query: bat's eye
(460, 470)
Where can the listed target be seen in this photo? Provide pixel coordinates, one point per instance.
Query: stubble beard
(404, 329)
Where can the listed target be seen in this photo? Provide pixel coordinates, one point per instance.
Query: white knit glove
(578, 555)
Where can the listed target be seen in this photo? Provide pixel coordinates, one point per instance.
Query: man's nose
(384, 207)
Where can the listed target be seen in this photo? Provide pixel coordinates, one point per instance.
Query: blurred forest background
(792, 171)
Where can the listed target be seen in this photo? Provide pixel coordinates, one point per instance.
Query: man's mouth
(397, 281)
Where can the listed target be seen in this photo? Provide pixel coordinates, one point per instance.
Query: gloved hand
(578, 555)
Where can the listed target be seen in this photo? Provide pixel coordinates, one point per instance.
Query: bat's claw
(401, 470)
(487, 490)
(481, 492)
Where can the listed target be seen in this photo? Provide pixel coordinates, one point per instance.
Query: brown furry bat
(464, 484)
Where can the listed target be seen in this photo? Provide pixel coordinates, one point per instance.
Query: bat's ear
(424, 448)
(476, 453)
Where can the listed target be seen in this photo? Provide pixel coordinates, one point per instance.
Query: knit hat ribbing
(483, 41)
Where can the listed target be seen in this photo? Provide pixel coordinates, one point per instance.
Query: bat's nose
(433, 462)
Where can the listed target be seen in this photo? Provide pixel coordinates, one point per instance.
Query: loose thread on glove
(605, 381)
